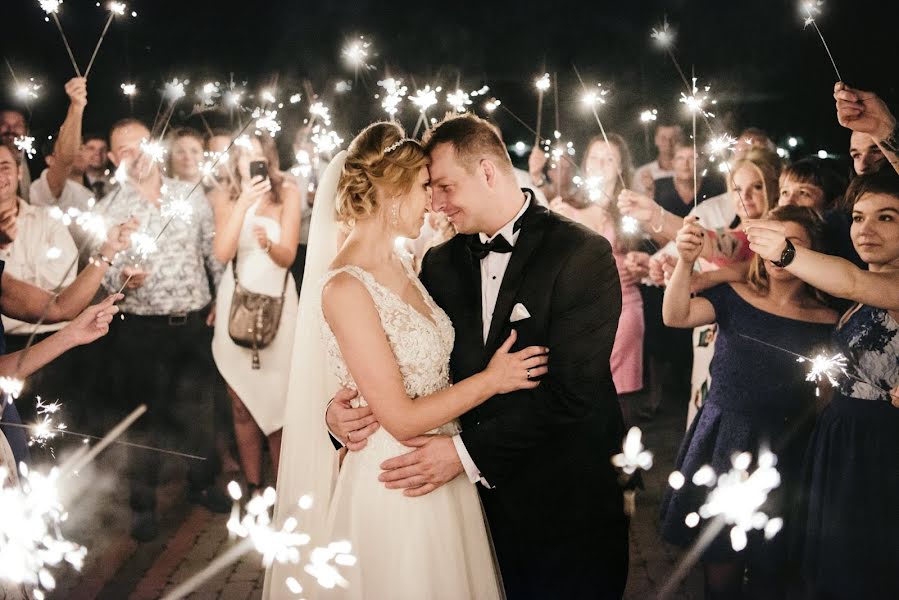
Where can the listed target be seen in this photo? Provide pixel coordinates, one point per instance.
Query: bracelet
(661, 220)
(102, 258)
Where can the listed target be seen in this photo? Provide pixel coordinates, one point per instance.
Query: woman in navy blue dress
(849, 535)
(758, 400)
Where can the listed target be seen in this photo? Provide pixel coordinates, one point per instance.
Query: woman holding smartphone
(257, 220)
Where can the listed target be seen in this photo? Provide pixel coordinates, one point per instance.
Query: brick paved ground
(191, 537)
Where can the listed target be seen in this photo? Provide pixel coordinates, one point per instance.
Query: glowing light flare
(542, 83)
(295, 98)
(153, 149)
(321, 112)
(738, 495)
(25, 144)
(31, 540)
(630, 225)
(594, 97)
(648, 116)
(459, 100)
(177, 207)
(28, 90)
(425, 98)
(117, 8)
(174, 89)
(811, 9)
(394, 92)
(11, 386)
(50, 6)
(633, 455)
(356, 53)
(325, 141)
(492, 104)
(143, 244)
(129, 89)
(697, 101)
(823, 367)
(267, 121)
(208, 93)
(663, 35)
(722, 144)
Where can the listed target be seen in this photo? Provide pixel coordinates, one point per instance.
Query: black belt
(173, 320)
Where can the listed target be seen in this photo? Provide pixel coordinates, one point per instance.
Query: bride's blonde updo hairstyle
(380, 157)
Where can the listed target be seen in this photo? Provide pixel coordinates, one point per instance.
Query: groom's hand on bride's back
(352, 426)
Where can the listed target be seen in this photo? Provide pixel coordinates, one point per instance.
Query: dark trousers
(166, 363)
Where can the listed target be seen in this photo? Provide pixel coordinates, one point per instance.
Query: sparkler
(356, 54)
(424, 99)
(25, 144)
(647, 117)
(319, 111)
(51, 7)
(46, 429)
(492, 104)
(811, 8)
(174, 89)
(115, 9)
(633, 455)
(325, 141)
(268, 96)
(394, 92)
(11, 386)
(295, 98)
(208, 93)
(267, 121)
(28, 90)
(177, 207)
(154, 150)
(542, 84)
(458, 100)
(31, 540)
(282, 545)
(735, 499)
(592, 98)
(129, 89)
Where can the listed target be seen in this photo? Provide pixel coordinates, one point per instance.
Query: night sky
(764, 69)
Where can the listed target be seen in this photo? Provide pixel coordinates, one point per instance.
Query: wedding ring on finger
(349, 436)
(528, 371)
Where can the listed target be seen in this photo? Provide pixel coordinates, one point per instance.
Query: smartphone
(258, 167)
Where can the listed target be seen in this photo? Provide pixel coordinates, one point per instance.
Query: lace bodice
(421, 346)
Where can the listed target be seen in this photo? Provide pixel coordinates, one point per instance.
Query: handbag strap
(236, 282)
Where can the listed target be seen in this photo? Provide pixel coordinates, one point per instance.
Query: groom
(541, 457)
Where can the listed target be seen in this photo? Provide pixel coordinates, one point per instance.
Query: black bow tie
(499, 244)
(480, 249)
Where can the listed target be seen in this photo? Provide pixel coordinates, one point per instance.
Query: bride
(384, 336)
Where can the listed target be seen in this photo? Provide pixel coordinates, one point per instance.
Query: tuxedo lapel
(471, 279)
(528, 241)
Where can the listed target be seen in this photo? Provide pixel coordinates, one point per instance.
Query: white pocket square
(519, 313)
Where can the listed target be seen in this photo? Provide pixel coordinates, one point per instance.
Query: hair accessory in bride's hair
(396, 145)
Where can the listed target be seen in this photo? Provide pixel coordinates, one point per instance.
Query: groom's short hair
(472, 138)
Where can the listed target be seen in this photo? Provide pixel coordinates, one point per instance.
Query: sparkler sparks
(458, 100)
(129, 89)
(737, 496)
(11, 386)
(394, 92)
(46, 429)
(321, 112)
(663, 35)
(721, 144)
(153, 149)
(117, 8)
(143, 245)
(594, 97)
(542, 83)
(28, 90)
(31, 541)
(267, 121)
(630, 225)
(492, 104)
(177, 207)
(25, 144)
(633, 455)
(324, 140)
(812, 8)
(174, 89)
(425, 98)
(50, 6)
(648, 116)
(356, 52)
(208, 93)
(823, 367)
(696, 102)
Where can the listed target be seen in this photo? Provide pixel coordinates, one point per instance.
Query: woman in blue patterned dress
(849, 540)
(759, 399)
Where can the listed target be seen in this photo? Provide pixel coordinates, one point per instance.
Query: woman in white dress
(257, 223)
(384, 336)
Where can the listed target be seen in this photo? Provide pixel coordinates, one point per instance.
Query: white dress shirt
(74, 195)
(40, 255)
(655, 171)
(493, 269)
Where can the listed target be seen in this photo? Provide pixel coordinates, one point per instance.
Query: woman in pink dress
(604, 168)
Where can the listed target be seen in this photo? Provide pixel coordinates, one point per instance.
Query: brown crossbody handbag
(254, 319)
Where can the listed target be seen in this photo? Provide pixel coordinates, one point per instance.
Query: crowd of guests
(727, 274)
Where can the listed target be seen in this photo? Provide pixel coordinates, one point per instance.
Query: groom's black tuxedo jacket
(545, 451)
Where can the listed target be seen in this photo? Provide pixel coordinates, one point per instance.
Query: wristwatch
(786, 256)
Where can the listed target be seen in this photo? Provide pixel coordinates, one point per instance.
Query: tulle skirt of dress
(435, 546)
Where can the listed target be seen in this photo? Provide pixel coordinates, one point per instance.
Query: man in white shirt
(12, 126)
(59, 184)
(666, 138)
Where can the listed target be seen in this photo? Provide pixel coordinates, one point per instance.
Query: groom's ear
(489, 170)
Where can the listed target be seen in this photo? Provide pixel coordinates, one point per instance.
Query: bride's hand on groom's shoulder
(511, 371)
(352, 426)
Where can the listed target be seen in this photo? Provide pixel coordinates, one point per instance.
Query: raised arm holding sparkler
(68, 144)
(865, 112)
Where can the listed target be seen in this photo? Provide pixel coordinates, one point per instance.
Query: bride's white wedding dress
(431, 547)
